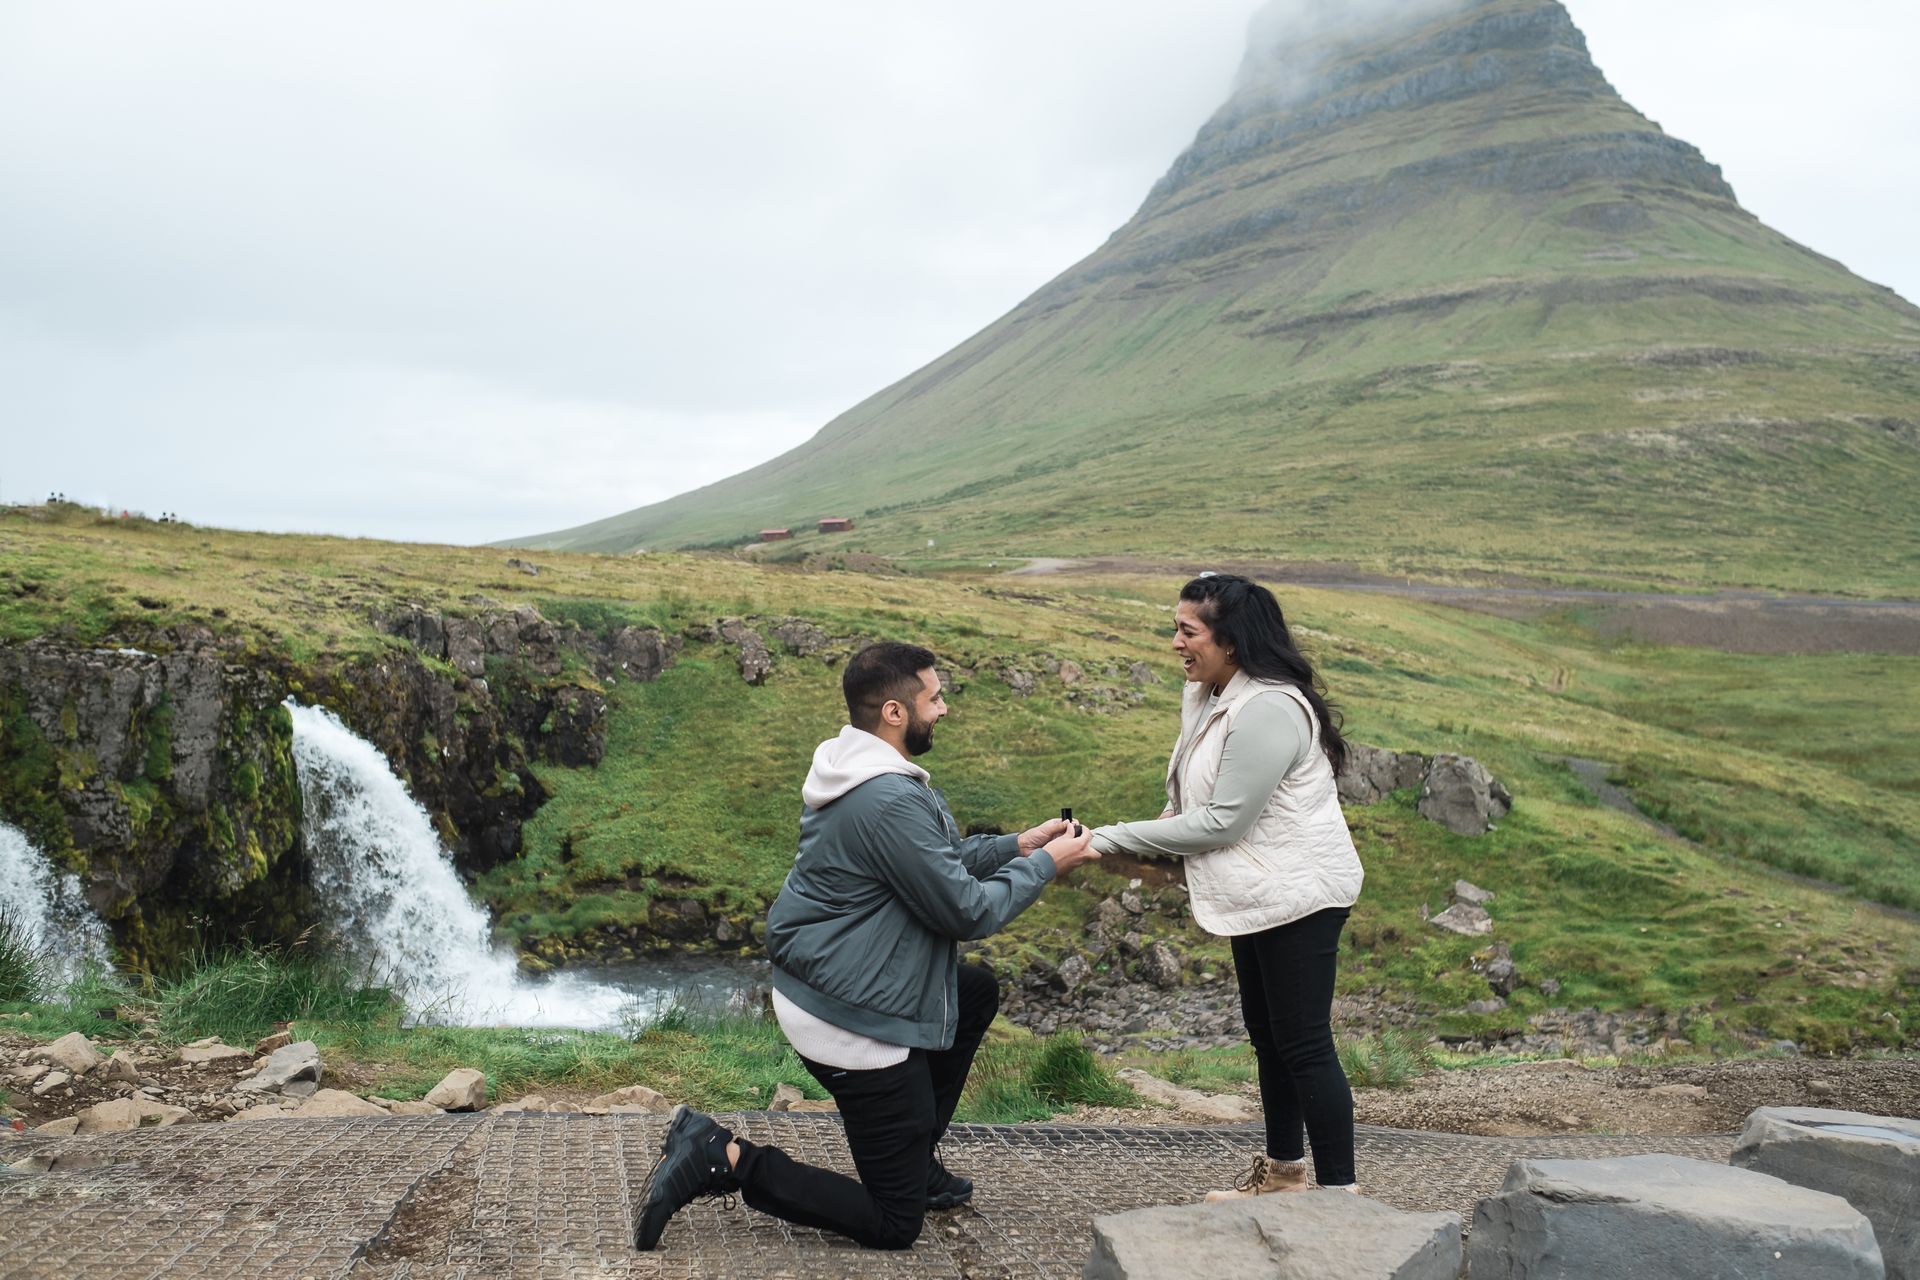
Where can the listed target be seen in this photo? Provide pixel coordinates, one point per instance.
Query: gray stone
(634, 1095)
(1070, 672)
(1141, 673)
(336, 1102)
(799, 637)
(1464, 918)
(1224, 1107)
(1665, 1218)
(287, 1065)
(1460, 795)
(462, 1089)
(119, 1114)
(1312, 1235)
(215, 1052)
(1373, 773)
(1872, 1162)
(72, 1053)
(1161, 965)
(1072, 973)
(784, 1096)
(1467, 891)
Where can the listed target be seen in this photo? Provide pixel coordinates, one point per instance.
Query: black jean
(894, 1117)
(1286, 995)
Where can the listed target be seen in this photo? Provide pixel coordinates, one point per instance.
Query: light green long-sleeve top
(1269, 736)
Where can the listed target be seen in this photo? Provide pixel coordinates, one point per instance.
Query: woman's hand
(1069, 851)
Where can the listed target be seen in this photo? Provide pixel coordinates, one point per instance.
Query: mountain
(1425, 295)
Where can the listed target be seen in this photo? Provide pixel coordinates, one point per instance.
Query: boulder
(1161, 965)
(1225, 1107)
(1072, 973)
(533, 1102)
(50, 1081)
(1070, 672)
(1460, 795)
(215, 1052)
(1464, 918)
(1872, 1162)
(1468, 891)
(1313, 1235)
(65, 1126)
(335, 1102)
(119, 1114)
(71, 1053)
(814, 1104)
(1665, 1218)
(122, 1067)
(1373, 773)
(634, 1095)
(288, 1065)
(463, 1089)
(262, 1111)
(754, 659)
(784, 1096)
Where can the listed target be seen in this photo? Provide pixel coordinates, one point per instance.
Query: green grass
(1698, 401)
(241, 994)
(1801, 763)
(1386, 1060)
(23, 964)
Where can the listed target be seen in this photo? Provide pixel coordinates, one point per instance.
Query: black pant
(894, 1117)
(1286, 995)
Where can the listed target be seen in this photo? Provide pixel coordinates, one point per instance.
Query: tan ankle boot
(1265, 1177)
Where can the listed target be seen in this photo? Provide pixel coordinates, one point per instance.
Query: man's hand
(1069, 851)
(1036, 837)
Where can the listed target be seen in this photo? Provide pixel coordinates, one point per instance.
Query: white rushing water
(388, 889)
(50, 908)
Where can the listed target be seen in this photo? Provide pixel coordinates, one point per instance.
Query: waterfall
(51, 909)
(387, 888)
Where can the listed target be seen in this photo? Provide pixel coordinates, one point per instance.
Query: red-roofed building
(775, 535)
(836, 524)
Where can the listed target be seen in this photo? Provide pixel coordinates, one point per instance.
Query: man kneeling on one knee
(867, 983)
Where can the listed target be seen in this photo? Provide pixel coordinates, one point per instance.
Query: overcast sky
(455, 271)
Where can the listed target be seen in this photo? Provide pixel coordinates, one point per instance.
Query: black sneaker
(946, 1190)
(692, 1163)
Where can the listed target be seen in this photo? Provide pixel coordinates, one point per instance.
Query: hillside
(603, 805)
(1425, 298)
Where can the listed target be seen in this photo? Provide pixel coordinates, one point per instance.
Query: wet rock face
(162, 774)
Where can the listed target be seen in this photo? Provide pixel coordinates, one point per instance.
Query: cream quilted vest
(1297, 859)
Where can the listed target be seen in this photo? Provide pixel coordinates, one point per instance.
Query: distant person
(1253, 810)
(867, 985)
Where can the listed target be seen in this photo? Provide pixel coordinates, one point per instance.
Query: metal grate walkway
(537, 1196)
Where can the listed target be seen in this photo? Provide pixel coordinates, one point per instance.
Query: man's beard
(919, 735)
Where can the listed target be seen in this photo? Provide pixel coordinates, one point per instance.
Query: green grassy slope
(1806, 763)
(1454, 307)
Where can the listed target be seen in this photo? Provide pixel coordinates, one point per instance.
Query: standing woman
(1252, 807)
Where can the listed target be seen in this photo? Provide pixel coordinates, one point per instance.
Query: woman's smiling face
(1202, 657)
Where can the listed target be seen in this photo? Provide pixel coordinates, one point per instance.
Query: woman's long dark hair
(1246, 619)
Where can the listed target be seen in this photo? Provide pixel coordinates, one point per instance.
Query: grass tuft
(23, 964)
(239, 995)
(1387, 1060)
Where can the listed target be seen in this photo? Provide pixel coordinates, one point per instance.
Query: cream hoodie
(839, 765)
(843, 763)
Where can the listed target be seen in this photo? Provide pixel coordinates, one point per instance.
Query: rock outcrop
(1666, 1217)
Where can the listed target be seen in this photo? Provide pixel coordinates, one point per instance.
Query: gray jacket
(863, 932)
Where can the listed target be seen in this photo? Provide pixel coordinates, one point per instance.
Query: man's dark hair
(879, 674)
